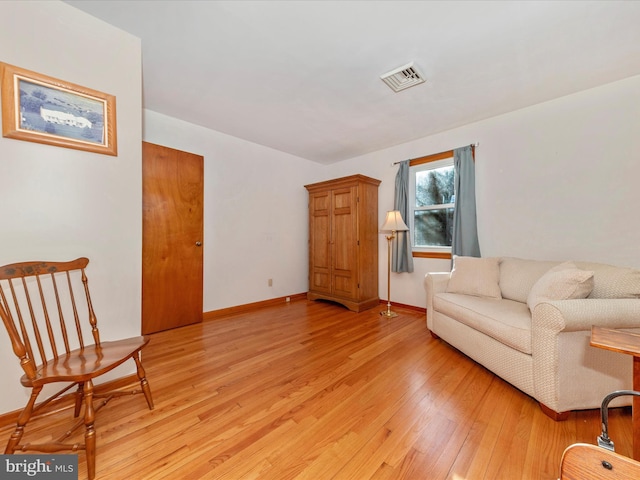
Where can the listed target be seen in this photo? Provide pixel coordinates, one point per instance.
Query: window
(432, 198)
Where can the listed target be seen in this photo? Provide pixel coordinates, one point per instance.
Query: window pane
(433, 227)
(434, 187)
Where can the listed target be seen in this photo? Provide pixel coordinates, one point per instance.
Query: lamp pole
(388, 313)
(393, 223)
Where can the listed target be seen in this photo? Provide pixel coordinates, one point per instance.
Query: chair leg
(144, 384)
(90, 432)
(79, 398)
(24, 417)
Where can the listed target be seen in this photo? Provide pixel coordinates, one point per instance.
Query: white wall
(57, 203)
(255, 208)
(555, 181)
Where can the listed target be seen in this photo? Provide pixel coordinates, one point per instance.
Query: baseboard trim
(402, 305)
(68, 400)
(248, 307)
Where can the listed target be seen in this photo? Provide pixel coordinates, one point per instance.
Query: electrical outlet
(288, 299)
(270, 282)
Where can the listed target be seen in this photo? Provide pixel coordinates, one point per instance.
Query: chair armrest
(581, 314)
(434, 282)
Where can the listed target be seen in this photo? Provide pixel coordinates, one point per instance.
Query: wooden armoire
(343, 241)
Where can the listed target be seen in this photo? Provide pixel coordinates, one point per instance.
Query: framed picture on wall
(42, 109)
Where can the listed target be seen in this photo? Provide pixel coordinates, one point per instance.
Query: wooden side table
(629, 343)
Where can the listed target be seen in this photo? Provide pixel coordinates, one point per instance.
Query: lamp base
(388, 314)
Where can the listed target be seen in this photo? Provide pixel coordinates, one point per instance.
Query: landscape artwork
(46, 110)
(57, 112)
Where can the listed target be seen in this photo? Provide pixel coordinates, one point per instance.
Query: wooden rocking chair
(582, 461)
(44, 306)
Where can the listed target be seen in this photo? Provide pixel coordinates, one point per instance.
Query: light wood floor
(312, 391)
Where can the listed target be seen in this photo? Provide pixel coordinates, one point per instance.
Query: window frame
(428, 162)
(436, 250)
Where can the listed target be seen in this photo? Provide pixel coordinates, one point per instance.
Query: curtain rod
(473, 145)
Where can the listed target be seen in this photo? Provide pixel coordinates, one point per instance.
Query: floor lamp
(393, 223)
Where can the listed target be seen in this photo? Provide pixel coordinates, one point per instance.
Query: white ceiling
(303, 77)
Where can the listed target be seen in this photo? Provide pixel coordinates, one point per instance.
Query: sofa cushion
(610, 281)
(562, 282)
(475, 276)
(518, 276)
(508, 321)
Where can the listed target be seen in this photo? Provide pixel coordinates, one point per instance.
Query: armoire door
(172, 238)
(344, 242)
(320, 242)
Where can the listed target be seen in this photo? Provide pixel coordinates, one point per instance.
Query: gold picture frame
(42, 109)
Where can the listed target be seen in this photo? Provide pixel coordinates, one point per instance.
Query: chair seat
(84, 364)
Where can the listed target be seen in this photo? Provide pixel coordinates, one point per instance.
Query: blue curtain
(402, 259)
(465, 226)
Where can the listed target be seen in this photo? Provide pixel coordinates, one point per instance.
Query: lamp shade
(393, 222)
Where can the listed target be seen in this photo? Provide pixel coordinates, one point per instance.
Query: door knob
(198, 244)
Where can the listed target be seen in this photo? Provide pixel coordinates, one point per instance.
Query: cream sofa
(530, 321)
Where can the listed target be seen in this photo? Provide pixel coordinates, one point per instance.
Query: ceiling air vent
(403, 77)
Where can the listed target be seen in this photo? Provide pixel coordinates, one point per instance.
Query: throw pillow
(475, 276)
(562, 282)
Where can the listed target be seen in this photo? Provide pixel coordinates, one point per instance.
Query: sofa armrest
(581, 314)
(434, 282)
(563, 361)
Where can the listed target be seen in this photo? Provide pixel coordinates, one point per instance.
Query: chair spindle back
(42, 304)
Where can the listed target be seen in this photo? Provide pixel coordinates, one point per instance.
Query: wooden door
(344, 242)
(172, 237)
(320, 242)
